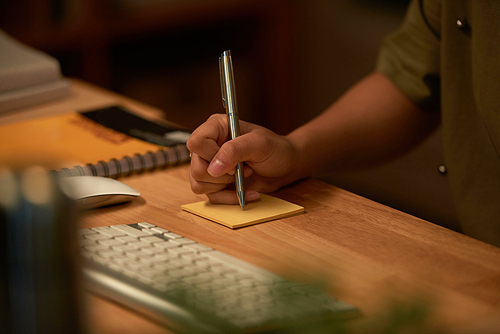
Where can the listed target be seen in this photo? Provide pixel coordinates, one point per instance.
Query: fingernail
(251, 195)
(216, 167)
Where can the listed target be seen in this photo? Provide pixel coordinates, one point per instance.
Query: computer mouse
(95, 191)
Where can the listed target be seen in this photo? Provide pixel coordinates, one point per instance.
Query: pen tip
(241, 199)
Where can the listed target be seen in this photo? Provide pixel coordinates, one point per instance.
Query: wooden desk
(365, 252)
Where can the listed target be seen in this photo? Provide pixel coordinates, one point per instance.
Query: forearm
(370, 123)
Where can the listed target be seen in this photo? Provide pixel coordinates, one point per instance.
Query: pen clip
(222, 84)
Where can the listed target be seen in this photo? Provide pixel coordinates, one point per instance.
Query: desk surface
(366, 253)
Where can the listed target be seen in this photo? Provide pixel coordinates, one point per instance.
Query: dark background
(292, 57)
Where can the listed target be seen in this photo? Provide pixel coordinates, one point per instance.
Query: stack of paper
(27, 76)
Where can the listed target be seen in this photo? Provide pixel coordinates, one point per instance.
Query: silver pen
(229, 102)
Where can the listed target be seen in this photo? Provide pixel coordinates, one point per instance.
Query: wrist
(303, 157)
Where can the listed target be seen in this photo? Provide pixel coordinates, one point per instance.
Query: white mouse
(95, 191)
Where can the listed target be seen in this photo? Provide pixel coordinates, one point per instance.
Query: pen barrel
(240, 185)
(229, 93)
(229, 102)
(234, 126)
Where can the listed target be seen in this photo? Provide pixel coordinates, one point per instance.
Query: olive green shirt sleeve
(410, 56)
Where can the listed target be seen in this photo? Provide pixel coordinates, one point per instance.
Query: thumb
(228, 156)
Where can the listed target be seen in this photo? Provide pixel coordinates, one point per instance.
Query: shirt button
(442, 170)
(463, 25)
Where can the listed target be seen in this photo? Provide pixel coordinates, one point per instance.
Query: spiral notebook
(110, 142)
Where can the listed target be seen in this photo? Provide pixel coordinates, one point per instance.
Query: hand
(269, 160)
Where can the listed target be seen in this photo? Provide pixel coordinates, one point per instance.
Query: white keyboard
(191, 287)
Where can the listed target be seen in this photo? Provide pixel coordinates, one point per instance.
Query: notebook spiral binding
(129, 165)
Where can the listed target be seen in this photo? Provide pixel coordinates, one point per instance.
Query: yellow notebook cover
(64, 141)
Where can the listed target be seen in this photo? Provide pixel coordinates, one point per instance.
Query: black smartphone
(125, 121)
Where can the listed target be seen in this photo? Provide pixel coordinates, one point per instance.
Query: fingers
(240, 149)
(267, 153)
(208, 137)
(201, 181)
(215, 188)
(210, 140)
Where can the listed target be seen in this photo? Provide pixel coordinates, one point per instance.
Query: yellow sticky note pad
(268, 208)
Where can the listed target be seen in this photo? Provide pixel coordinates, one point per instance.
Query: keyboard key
(130, 231)
(127, 239)
(146, 225)
(110, 242)
(96, 236)
(149, 251)
(166, 245)
(110, 232)
(140, 244)
(222, 270)
(197, 279)
(181, 251)
(182, 241)
(152, 239)
(133, 254)
(123, 248)
(159, 230)
(172, 235)
(119, 259)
